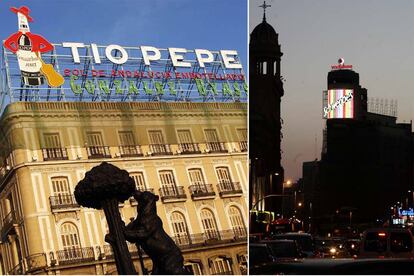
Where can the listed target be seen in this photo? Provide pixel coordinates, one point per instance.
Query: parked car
(331, 248)
(283, 250)
(386, 243)
(304, 240)
(259, 255)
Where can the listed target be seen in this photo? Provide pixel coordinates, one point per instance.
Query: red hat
(23, 10)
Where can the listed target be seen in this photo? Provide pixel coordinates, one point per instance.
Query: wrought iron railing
(210, 237)
(216, 147)
(130, 151)
(17, 270)
(201, 190)
(36, 262)
(174, 192)
(229, 188)
(189, 148)
(75, 255)
(243, 145)
(160, 149)
(63, 202)
(240, 233)
(98, 152)
(8, 221)
(54, 154)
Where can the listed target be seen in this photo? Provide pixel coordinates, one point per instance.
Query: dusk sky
(375, 36)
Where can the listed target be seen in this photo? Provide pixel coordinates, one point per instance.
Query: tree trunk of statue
(123, 260)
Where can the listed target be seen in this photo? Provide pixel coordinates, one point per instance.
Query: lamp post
(288, 183)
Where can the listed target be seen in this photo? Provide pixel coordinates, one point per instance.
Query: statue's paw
(109, 239)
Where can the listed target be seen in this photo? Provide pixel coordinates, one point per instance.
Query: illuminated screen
(339, 104)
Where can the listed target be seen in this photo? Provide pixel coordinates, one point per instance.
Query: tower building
(265, 134)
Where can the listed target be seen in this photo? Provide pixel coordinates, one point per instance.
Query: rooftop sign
(341, 65)
(36, 70)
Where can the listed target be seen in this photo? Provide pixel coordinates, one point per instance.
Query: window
(157, 144)
(209, 224)
(53, 149)
(220, 265)
(184, 136)
(95, 145)
(69, 235)
(213, 142)
(61, 191)
(242, 134)
(126, 138)
(139, 181)
(193, 267)
(196, 177)
(211, 135)
(52, 140)
(186, 144)
(237, 222)
(94, 139)
(168, 186)
(156, 137)
(179, 225)
(224, 179)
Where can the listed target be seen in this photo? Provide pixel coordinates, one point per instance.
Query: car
(348, 266)
(304, 240)
(282, 250)
(259, 255)
(331, 248)
(386, 243)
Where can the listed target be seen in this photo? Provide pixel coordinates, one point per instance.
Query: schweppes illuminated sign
(92, 72)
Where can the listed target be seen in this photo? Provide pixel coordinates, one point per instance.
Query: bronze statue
(147, 231)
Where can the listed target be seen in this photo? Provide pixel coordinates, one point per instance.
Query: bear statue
(147, 231)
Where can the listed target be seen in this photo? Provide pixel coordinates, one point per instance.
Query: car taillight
(381, 234)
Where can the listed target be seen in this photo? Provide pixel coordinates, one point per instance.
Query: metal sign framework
(212, 84)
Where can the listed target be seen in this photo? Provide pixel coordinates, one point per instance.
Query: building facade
(366, 164)
(193, 155)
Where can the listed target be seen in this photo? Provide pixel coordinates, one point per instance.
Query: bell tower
(265, 123)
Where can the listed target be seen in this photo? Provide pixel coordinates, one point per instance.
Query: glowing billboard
(338, 104)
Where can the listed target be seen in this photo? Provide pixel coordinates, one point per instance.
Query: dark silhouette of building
(366, 164)
(265, 123)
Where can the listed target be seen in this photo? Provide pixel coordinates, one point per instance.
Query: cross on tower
(264, 6)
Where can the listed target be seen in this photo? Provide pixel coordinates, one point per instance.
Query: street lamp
(288, 183)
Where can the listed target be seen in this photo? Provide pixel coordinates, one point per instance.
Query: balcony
(243, 146)
(96, 152)
(216, 147)
(36, 262)
(60, 202)
(210, 237)
(75, 255)
(227, 189)
(160, 149)
(130, 151)
(174, 193)
(109, 253)
(240, 233)
(202, 191)
(189, 148)
(50, 154)
(9, 221)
